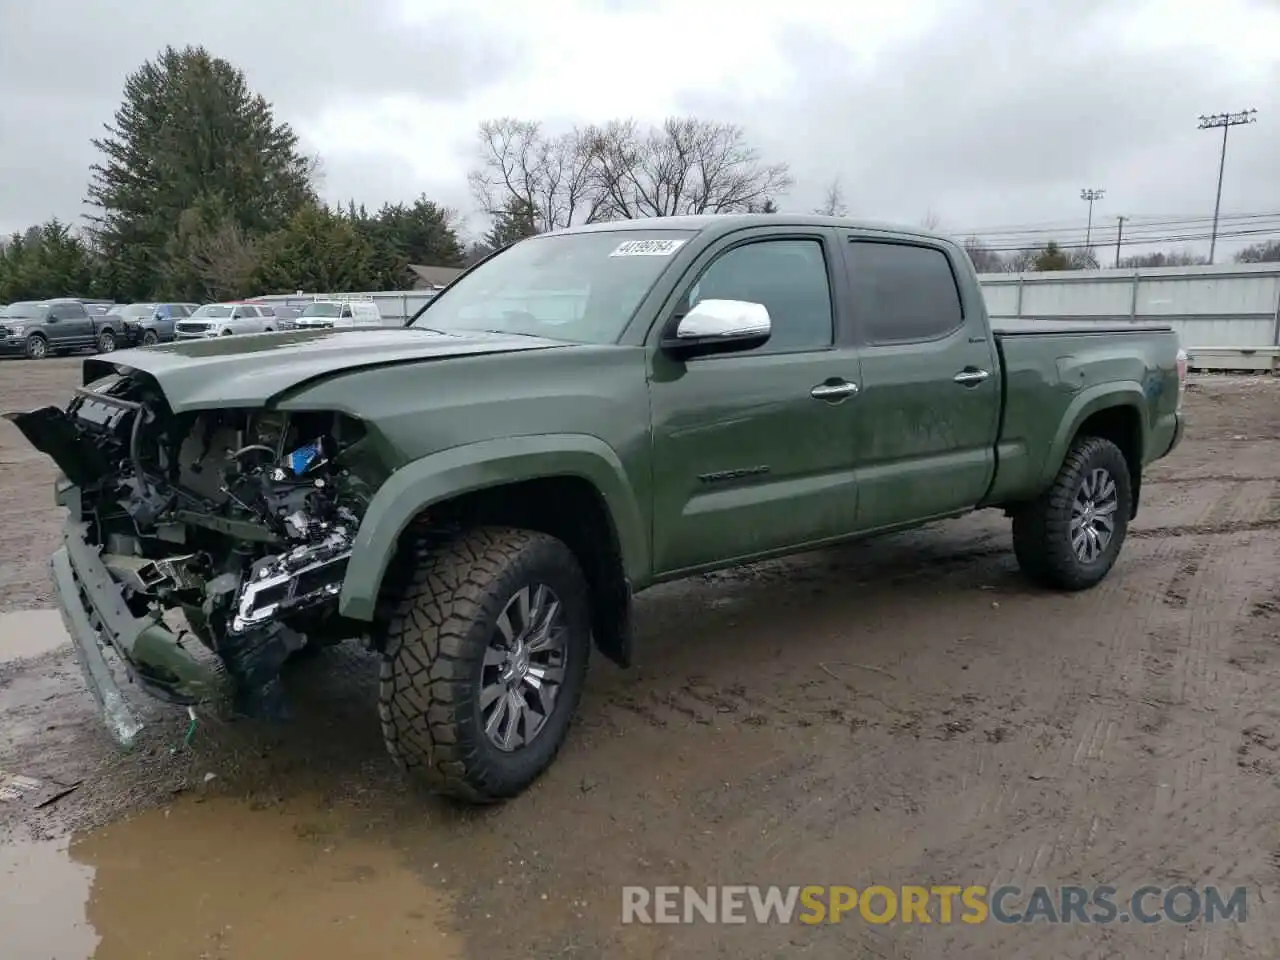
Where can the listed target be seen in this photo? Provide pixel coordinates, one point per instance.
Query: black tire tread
(425, 677)
(1041, 529)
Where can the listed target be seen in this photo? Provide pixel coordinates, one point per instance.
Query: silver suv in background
(225, 319)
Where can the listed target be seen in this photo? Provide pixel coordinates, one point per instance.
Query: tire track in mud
(1177, 656)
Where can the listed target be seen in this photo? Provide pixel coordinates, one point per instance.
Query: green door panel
(491, 463)
(745, 460)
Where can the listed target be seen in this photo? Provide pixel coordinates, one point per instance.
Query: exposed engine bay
(243, 519)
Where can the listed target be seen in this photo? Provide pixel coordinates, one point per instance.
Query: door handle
(970, 377)
(834, 392)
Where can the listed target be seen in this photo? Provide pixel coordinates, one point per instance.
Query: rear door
(752, 450)
(930, 401)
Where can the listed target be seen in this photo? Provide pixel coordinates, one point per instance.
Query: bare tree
(621, 170)
(833, 204)
(554, 177)
(930, 220)
(224, 260)
(985, 260)
(685, 166)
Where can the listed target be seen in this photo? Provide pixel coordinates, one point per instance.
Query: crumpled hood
(251, 369)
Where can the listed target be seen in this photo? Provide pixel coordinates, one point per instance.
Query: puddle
(220, 880)
(42, 909)
(29, 633)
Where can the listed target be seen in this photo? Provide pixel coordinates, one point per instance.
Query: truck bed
(1052, 372)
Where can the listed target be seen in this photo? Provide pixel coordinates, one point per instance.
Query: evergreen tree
(515, 221)
(190, 134)
(320, 251)
(46, 261)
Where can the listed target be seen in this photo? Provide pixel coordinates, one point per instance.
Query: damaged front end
(242, 519)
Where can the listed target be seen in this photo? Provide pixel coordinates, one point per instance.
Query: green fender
(1103, 396)
(474, 466)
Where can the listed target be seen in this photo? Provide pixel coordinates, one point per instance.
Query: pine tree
(515, 221)
(189, 130)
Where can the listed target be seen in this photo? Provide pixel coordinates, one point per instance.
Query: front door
(752, 450)
(930, 402)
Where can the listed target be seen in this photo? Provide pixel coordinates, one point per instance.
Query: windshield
(581, 287)
(213, 310)
(321, 310)
(26, 310)
(133, 310)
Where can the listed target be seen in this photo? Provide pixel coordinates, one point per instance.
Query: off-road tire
(106, 341)
(1042, 528)
(37, 347)
(428, 696)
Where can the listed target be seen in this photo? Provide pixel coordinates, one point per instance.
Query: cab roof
(721, 223)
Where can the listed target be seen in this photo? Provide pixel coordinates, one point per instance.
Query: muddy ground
(907, 711)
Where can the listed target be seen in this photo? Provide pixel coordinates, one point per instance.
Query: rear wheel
(106, 342)
(1069, 538)
(484, 662)
(37, 347)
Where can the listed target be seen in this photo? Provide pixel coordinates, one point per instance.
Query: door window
(789, 277)
(68, 311)
(903, 292)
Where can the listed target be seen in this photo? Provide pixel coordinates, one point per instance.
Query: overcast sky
(985, 113)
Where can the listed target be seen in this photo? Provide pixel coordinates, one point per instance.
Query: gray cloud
(997, 115)
(63, 64)
(1003, 120)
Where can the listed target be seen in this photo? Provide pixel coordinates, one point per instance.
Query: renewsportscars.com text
(932, 904)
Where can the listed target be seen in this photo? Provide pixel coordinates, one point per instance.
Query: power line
(1047, 228)
(1140, 241)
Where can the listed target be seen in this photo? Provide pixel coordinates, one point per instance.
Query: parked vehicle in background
(148, 323)
(339, 312)
(34, 328)
(286, 314)
(225, 319)
(586, 414)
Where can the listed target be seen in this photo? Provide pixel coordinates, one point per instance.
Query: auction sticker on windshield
(647, 248)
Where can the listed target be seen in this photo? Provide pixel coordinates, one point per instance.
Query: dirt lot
(906, 711)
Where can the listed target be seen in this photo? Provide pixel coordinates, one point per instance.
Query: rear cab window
(903, 292)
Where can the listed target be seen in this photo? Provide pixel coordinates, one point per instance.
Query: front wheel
(484, 662)
(1069, 538)
(106, 342)
(150, 338)
(37, 347)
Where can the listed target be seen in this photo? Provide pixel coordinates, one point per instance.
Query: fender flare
(1104, 396)
(475, 466)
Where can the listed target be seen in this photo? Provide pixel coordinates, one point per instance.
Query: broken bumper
(98, 620)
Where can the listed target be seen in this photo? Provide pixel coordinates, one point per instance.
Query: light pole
(1226, 121)
(1090, 196)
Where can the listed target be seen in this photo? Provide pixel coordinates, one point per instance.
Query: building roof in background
(428, 276)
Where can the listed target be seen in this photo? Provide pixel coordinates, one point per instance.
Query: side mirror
(719, 326)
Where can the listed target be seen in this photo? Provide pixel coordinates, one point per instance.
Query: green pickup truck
(587, 413)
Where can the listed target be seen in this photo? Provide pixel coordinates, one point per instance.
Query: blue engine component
(305, 458)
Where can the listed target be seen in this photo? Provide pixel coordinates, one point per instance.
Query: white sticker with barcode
(647, 248)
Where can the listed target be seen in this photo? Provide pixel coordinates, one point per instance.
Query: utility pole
(1226, 121)
(1090, 196)
(1119, 234)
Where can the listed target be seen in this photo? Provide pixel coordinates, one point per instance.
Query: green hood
(251, 370)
